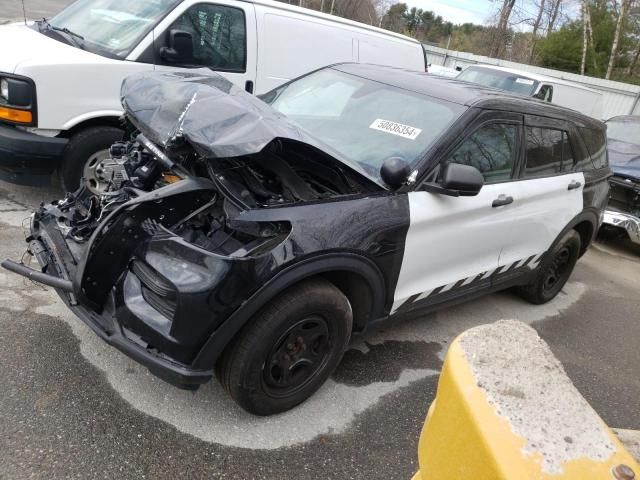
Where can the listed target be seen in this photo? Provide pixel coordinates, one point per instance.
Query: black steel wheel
(297, 356)
(554, 271)
(289, 349)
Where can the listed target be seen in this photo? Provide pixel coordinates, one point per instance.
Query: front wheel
(554, 272)
(84, 152)
(289, 349)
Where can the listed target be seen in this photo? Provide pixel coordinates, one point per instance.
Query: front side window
(219, 36)
(548, 152)
(491, 150)
(364, 122)
(112, 26)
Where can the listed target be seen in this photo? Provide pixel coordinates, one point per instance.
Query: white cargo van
(550, 89)
(60, 79)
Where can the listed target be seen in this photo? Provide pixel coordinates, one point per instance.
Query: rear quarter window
(596, 144)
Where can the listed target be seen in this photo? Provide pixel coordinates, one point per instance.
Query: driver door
(453, 243)
(224, 39)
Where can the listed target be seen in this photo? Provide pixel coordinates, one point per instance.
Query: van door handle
(501, 201)
(248, 86)
(573, 185)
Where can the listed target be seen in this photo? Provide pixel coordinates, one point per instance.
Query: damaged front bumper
(625, 221)
(139, 286)
(105, 324)
(623, 211)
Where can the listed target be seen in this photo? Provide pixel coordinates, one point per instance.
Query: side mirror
(464, 179)
(457, 180)
(180, 49)
(395, 172)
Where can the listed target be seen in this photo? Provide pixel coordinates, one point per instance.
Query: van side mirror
(180, 49)
(457, 180)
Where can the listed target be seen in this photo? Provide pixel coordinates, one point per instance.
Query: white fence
(619, 98)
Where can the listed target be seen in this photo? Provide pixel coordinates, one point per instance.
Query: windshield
(363, 121)
(510, 82)
(624, 131)
(115, 26)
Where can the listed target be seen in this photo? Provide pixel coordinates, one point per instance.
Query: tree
(499, 39)
(554, 11)
(584, 37)
(394, 20)
(534, 33)
(616, 38)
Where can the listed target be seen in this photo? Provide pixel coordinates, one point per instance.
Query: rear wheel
(554, 272)
(84, 152)
(288, 350)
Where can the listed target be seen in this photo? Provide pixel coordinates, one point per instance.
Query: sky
(458, 11)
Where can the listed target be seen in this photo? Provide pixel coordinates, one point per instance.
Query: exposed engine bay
(263, 179)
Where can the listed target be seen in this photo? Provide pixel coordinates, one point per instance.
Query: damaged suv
(623, 210)
(253, 238)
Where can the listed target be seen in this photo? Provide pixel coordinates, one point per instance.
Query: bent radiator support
(505, 409)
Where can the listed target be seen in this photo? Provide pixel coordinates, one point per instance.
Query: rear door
(224, 39)
(453, 243)
(545, 198)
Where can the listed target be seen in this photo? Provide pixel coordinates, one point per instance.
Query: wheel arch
(103, 119)
(586, 224)
(357, 277)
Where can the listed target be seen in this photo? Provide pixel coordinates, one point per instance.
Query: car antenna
(24, 13)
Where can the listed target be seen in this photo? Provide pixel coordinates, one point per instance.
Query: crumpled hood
(217, 118)
(21, 44)
(624, 158)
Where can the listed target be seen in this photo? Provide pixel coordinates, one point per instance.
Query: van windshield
(362, 121)
(112, 26)
(508, 81)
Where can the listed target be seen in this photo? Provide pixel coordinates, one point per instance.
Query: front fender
(322, 264)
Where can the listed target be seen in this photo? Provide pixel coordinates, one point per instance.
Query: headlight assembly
(4, 89)
(17, 99)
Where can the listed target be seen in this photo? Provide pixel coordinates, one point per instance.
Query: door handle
(502, 200)
(573, 185)
(248, 86)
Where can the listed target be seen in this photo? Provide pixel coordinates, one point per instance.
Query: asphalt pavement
(31, 9)
(73, 407)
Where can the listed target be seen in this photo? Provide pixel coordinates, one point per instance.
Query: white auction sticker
(394, 128)
(525, 81)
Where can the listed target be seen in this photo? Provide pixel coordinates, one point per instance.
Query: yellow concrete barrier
(505, 409)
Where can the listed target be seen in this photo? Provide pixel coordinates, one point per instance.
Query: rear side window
(491, 150)
(596, 145)
(548, 152)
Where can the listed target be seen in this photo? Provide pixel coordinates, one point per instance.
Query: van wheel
(85, 150)
(555, 271)
(288, 350)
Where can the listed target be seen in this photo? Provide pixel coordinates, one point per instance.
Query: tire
(288, 350)
(554, 272)
(84, 150)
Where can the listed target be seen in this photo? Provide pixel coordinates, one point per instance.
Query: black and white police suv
(252, 238)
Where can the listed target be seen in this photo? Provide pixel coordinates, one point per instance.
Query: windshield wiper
(71, 35)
